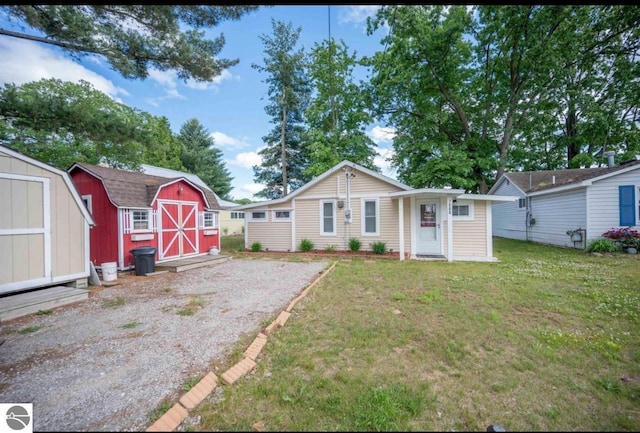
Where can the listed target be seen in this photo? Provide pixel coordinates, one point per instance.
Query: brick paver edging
(174, 416)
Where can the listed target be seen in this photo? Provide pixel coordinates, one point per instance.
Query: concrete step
(188, 263)
(21, 304)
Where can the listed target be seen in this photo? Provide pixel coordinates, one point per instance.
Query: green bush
(256, 246)
(354, 244)
(603, 245)
(330, 249)
(306, 245)
(379, 247)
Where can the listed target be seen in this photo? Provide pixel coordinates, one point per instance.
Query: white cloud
(222, 140)
(381, 160)
(25, 61)
(356, 14)
(214, 84)
(379, 134)
(246, 159)
(168, 80)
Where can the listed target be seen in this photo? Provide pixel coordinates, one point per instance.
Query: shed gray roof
(531, 181)
(134, 189)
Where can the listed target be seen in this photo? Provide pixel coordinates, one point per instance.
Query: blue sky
(232, 107)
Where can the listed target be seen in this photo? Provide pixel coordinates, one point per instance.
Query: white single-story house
(44, 226)
(568, 207)
(351, 201)
(231, 222)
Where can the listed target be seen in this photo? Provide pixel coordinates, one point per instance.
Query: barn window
(208, 220)
(86, 199)
(140, 220)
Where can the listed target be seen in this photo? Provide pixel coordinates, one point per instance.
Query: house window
(462, 210)
(139, 220)
(522, 203)
(281, 215)
(86, 199)
(370, 217)
(259, 216)
(237, 215)
(208, 220)
(627, 205)
(327, 218)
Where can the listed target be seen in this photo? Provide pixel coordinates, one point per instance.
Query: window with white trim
(282, 215)
(259, 215)
(139, 220)
(370, 220)
(462, 210)
(522, 203)
(237, 215)
(327, 218)
(86, 199)
(208, 220)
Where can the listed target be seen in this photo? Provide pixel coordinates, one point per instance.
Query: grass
(190, 309)
(230, 244)
(113, 303)
(546, 340)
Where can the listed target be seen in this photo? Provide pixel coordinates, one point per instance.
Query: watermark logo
(16, 417)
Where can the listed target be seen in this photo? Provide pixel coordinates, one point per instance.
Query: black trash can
(144, 259)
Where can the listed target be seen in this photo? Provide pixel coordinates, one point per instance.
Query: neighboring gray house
(568, 207)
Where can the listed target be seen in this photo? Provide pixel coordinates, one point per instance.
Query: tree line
(470, 92)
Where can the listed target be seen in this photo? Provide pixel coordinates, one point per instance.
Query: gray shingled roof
(530, 181)
(133, 189)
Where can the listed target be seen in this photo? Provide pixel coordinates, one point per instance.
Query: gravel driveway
(105, 363)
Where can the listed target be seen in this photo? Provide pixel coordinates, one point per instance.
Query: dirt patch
(101, 365)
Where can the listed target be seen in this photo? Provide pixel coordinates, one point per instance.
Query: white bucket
(213, 251)
(109, 271)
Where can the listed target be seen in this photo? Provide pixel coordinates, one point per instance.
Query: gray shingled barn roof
(133, 189)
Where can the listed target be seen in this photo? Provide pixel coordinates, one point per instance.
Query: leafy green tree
(200, 156)
(61, 123)
(133, 38)
(472, 91)
(284, 159)
(163, 147)
(338, 114)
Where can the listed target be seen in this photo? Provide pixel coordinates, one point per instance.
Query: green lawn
(547, 339)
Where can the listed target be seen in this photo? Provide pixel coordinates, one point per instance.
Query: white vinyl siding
(555, 214)
(509, 218)
(604, 208)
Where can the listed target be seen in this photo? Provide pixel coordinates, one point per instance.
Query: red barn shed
(133, 210)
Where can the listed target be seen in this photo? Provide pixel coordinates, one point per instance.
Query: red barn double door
(178, 231)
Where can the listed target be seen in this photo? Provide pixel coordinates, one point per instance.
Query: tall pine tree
(284, 159)
(200, 156)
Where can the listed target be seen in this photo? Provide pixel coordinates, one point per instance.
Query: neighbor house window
(627, 205)
(522, 203)
(259, 216)
(237, 215)
(370, 217)
(139, 219)
(281, 215)
(462, 210)
(327, 218)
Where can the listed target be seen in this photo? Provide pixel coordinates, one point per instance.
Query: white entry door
(428, 230)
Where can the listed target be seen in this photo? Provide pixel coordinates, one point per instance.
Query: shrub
(354, 244)
(603, 245)
(626, 237)
(379, 247)
(256, 246)
(330, 248)
(306, 245)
